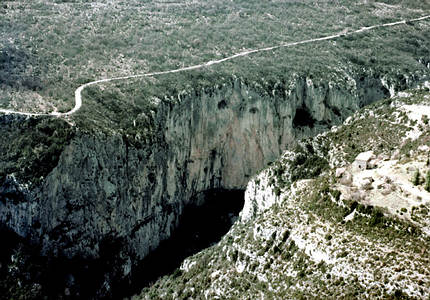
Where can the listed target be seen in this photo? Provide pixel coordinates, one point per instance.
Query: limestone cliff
(105, 189)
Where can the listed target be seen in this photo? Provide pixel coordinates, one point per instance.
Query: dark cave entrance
(200, 226)
(303, 118)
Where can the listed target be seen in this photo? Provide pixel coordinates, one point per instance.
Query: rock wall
(104, 189)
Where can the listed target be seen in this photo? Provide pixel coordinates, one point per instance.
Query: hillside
(93, 201)
(51, 47)
(344, 233)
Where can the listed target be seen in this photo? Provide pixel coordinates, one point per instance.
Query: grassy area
(48, 48)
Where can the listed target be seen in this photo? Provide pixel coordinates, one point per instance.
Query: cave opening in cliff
(303, 118)
(202, 224)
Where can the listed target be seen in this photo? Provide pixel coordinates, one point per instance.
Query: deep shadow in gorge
(111, 204)
(200, 226)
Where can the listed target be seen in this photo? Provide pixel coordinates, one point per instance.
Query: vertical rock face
(224, 136)
(105, 189)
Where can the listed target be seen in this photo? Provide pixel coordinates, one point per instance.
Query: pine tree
(416, 178)
(427, 186)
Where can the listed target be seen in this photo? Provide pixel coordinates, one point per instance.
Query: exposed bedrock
(105, 191)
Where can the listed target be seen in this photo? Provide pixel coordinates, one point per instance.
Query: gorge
(111, 202)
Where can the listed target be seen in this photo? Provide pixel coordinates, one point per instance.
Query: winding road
(78, 91)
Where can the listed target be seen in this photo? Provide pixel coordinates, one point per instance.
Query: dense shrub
(307, 166)
(30, 147)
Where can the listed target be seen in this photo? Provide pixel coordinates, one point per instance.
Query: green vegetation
(30, 147)
(427, 182)
(305, 167)
(416, 179)
(73, 42)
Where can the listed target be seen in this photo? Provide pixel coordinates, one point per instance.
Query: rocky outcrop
(106, 189)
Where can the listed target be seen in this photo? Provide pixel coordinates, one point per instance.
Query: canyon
(109, 199)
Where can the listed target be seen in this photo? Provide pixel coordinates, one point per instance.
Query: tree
(427, 185)
(416, 178)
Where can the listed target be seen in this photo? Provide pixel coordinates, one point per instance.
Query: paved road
(78, 92)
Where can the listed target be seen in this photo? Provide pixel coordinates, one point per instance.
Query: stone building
(362, 161)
